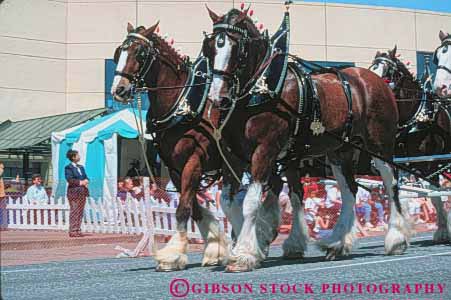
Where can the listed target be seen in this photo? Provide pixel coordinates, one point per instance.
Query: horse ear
(151, 29)
(243, 15)
(130, 27)
(442, 35)
(378, 53)
(213, 16)
(393, 52)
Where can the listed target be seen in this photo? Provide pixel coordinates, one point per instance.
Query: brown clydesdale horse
(268, 127)
(187, 149)
(429, 137)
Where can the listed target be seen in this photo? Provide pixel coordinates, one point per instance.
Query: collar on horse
(269, 78)
(190, 103)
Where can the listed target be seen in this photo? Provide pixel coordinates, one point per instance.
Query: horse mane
(403, 68)
(166, 49)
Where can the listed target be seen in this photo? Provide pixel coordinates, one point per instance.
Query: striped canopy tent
(97, 143)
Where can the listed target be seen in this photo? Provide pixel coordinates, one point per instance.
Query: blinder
(117, 54)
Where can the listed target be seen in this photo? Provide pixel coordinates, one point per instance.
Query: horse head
(134, 58)
(234, 50)
(442, 58)
(390, 67)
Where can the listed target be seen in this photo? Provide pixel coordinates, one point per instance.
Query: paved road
(424, 263)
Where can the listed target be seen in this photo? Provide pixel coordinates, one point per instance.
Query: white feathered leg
(247, 255)
(232, 208)
(343, 235)
(216, 243)
(173, 256)
(296, 243)
(268, 221)
(399, 229)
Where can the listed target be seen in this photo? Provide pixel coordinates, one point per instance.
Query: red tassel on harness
(242, 5)
(251, 12)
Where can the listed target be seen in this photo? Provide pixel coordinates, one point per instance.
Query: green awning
(33, 135)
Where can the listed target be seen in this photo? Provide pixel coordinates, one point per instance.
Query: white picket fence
(106, 216)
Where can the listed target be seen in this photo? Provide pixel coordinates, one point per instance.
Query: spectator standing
(36, 193)
(77, 192)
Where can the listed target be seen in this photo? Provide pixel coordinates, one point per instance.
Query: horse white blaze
(221, 63)
(442, 82)
(120, 68)
(378, 69)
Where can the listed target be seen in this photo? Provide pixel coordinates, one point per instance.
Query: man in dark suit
(77, 191)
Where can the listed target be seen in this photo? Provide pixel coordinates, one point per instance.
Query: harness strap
(444, 68)
(130, 77)
(217, 136)
(347, 89)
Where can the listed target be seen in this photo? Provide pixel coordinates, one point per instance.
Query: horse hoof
(237, 269)
(441, 236)
(211, 263)
(169, 268)
(331, 254)
(398, 249)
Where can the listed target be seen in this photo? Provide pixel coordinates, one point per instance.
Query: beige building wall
(32, 58)
(56, 58)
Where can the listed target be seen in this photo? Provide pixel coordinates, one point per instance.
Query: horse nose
(442, 90)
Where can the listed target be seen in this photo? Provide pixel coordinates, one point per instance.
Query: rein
(174, 87)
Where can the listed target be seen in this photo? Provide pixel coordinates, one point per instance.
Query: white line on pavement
(378, 261)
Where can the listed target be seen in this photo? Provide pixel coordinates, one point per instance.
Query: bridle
(446, 43)
(392, 68)
(222, 30)
(145, 56)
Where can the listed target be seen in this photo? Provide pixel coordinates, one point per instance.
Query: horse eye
(445, 49)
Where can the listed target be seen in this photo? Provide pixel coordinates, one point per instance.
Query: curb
(69, 242)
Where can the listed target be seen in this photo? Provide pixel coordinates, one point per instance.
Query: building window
(112, 105)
